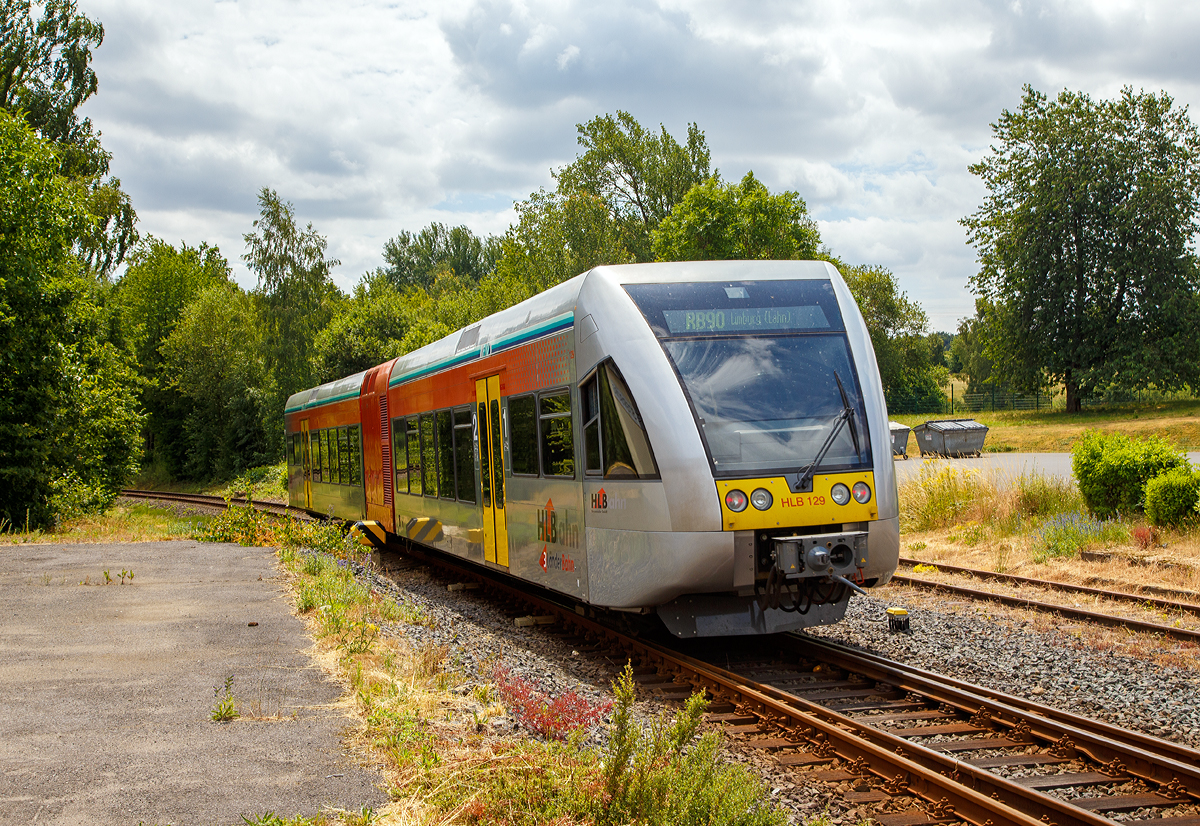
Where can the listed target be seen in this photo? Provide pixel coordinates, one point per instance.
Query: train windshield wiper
(846, 415)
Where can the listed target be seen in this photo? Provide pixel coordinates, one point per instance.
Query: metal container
(899, 438)
(951, 437)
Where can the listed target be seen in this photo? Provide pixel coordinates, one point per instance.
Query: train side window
(464, 454)
(625, 446)
(445, 451)
(314, 445)
(399, 457)
(428, 455)
(335, 456)
(558, 446)
(344, 465)
(414, 457)
(590, 398)
(355, 434)
(327, 463)
(522, 435)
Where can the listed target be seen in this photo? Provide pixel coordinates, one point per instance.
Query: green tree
(67, 396)
(717, 221)
(557, 237)
(158, 284)
(296, 296)
(968, 353)
(899, 333)
(638, 174)
(45, 76)
(415, 259)
(214, 357)
(367, 330)
(1085, 243)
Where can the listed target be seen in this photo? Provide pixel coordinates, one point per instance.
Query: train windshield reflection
(758, 361)
(767, 403)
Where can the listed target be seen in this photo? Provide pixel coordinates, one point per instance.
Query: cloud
(374, 116)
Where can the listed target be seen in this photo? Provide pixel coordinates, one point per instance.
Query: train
(704, 441)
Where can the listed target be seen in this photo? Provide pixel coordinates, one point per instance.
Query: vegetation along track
(937, 750)
(1063, 610)
(271, 508)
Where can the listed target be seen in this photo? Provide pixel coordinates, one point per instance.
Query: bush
(1171, 497)
(1112, 469)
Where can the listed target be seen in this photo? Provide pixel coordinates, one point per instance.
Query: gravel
(1050, 668)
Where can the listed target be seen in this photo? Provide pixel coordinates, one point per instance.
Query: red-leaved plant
(1145, 537)
(553, 718)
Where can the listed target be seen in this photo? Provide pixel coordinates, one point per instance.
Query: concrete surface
(1009, 464)
(106, 691)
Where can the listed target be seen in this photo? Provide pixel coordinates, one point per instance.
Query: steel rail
(1013, 579)
(951, 787)
(275, 508)
(1075, 613)
(1154, 759)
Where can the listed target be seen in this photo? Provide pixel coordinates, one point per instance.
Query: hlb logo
(556, 528)
(600, 500)
(557, 561)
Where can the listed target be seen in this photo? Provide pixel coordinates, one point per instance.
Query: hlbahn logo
(556, 528)
(553, 560)
(600, 500)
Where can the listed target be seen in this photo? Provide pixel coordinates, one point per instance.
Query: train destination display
(745, 319)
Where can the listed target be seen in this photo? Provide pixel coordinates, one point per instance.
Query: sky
(373, 117)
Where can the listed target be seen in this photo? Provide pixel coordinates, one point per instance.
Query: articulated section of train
(707, 441)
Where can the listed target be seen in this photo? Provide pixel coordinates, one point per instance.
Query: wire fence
(997, 400)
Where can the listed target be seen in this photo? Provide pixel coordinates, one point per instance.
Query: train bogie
(706, 440)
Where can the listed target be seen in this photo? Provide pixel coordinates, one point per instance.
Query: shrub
(1112, 469)
(1171, 497)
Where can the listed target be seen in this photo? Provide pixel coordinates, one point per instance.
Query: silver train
(706, 441)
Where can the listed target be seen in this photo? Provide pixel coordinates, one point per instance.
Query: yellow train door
(306, 461)
(491, 469)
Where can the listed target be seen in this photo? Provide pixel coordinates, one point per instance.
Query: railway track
(926, 748)
(273, 508)
(1170, 606)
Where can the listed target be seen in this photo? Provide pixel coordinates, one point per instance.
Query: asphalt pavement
(1006, 464)
(107, 690)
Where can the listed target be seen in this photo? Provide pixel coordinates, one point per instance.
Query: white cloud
(374, 116)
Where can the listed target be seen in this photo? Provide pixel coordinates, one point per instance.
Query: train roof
(334, 391)
(549, 312)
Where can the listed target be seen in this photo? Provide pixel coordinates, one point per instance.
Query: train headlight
(736, 501)
(862, 493)
(840, 493)
(761, 499)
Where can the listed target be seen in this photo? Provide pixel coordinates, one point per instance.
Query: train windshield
(760, 363)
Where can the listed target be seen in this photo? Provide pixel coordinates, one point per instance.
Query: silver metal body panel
(635, 569)
(547, 516)
(458, 520)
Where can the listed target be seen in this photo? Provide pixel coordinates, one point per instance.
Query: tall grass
(944, 496)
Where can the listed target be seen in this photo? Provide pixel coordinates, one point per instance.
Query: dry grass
(121, 523)
(1042, 432)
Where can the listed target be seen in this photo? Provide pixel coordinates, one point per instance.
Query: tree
(717, 221)
(415, 259)
(557, 237)
(213, 356)
(898, 330)
(1085, 243)
(150, 298)
(296, 296)
(67, 395)
(639, 176)
(968, 354)
(45, 76)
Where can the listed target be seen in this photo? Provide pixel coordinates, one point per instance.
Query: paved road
(1007, 464)
(107, 691)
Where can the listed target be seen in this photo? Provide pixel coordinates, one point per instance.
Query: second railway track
(934, 750)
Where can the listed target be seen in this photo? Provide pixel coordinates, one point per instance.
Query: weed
(47, 579)
(553, 718)
(1068, 534)
(363, 817)
(224, 708)
(126, 575)
(943, 496)
(107, 578)
(916, 547)
(1145, 537)
(925, 569)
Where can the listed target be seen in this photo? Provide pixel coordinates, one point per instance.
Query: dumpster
(951, 437)
(899, 438)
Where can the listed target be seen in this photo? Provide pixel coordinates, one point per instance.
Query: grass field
(1051, 432)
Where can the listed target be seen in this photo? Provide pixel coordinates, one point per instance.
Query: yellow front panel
(794, 510)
